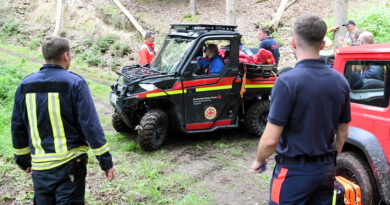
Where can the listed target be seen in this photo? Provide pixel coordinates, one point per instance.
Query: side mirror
(193, 68)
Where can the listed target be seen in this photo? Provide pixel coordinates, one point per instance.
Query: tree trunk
(279, 14)
(340, 17)
(230, 12)
(58, 17)
(193, 7)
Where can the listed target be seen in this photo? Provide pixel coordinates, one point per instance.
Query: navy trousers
(62, 185)
(306, 183)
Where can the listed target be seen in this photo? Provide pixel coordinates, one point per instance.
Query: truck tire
(256, 117)
(153, 130)
(353, 167)
(118, 123)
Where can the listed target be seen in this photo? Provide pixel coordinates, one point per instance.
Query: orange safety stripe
(277, 185)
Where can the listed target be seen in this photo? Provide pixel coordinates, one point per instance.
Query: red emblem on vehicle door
(210, 113)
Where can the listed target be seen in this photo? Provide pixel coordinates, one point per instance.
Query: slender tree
(193, 7)
(230, 12)
(340, 17)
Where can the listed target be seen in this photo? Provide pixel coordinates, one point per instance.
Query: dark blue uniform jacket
(54, 120)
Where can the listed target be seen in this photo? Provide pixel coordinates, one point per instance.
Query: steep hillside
(88, 22)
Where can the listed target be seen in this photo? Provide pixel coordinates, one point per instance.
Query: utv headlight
(148, 87)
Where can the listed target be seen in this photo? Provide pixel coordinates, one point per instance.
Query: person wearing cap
(269, 43)
(307, 123)
(351, 38)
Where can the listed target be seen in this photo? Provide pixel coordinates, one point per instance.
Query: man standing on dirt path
(307, 123)
(269, 43)
(54, 123)
(147, 53)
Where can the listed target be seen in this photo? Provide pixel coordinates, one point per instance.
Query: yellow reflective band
(50, 165)
(224, 87)
(32, 121)
(53, 103)
(260, 86)
(101, 150)
(49, 157)
(173, 92)
(151, 95)
(22, 151)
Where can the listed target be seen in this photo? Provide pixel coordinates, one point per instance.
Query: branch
(289, 4)
(130, 17)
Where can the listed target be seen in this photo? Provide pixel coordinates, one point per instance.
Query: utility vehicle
(170, 94)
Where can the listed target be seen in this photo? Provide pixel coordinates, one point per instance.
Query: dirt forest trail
(213, 166)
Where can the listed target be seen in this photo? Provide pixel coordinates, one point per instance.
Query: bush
(378, 24)
(11, 28)
(88, 42)
(34, 43)
(121, 50)
(102, 45)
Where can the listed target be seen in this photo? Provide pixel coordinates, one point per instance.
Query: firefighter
(147, 53)
(307, 122)
(269, 43)
(54, 123)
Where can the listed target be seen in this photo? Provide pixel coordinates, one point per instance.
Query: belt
(304, 159)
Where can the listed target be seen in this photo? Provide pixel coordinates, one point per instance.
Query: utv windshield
(170, 55)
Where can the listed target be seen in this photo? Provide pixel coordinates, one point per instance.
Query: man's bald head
(366, 38)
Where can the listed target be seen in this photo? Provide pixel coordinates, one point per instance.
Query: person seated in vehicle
(212, 63)
(374, 71)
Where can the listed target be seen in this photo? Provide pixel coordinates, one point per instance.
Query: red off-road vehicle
(365, 159)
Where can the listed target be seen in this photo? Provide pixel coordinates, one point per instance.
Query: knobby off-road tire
(153, 130)
(118, 123)
(256, 117)
(353, 167)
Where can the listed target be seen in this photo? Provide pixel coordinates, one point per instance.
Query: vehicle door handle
(191, 90)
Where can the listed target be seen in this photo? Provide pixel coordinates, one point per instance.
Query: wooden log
(130, 17)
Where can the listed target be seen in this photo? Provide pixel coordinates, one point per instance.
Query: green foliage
(121, 49)
(88, 41)
(369, 17)
(11, 28)
(376, 22)
(92, 57)
(188, 18)
(34, 43)
(103, 44)
(114, 63)
(10, 77)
